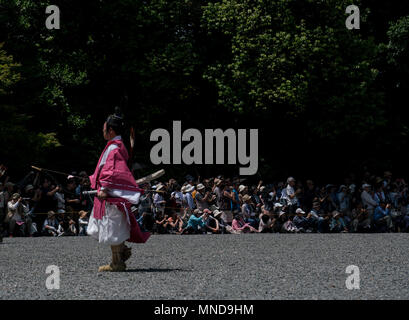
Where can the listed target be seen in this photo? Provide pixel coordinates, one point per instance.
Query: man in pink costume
(112, 221)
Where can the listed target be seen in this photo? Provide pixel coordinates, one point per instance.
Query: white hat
(277, 205)
(281, 213)
(299, 210)
(200, 186)
(262, 188)
(290, 179)
(189, 188)
(159, 187)
(241, 187)
(217, 213)
(342, 186)
(365, 185)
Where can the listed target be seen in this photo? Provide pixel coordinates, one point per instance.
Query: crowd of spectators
(39, 205)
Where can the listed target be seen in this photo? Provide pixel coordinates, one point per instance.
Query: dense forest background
(326, 100)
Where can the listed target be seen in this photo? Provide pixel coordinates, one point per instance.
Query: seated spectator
(382, 216)
(18, 215)
(174, 223)
(217, 214)
(239, 224)
(289, 227)
(337, 224)
(360, 219)
(281, 219)
(160, 223)
(300, 221)
(83, 223)
(195, 223)
(51, 226)
(266, 224)
(211, 223)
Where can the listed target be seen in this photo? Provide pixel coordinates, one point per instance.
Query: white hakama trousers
(113, 229)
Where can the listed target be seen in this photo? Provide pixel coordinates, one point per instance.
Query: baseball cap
(299, 210)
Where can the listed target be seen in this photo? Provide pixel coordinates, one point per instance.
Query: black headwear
(116, 121)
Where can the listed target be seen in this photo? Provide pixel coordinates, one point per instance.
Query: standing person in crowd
(368, 201)
(290, 196)
(72, 200)
(235, 200)
(309, 195)
(217, 191)
(227, 196)
(47, 201)
(159, 201)
(248, 211)
(188, 198)
(203, 198)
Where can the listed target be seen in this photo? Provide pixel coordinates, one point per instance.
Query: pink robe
(114, 174)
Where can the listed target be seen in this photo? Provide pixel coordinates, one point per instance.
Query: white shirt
(368, 200)
(289, 190)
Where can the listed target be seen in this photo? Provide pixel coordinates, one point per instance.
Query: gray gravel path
(247, 266)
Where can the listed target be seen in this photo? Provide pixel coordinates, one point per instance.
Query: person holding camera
(360, 218)
(18, 215)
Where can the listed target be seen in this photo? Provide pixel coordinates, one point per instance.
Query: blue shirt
(235, 205)
(195, 222)
(380, 213)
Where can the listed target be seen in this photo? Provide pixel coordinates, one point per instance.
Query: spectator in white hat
(158, 199)
(187, 196)
(337, 224)
(300, 221)
(203, 198)
(290, 196)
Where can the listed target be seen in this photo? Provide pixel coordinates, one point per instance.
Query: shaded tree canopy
(326, 100)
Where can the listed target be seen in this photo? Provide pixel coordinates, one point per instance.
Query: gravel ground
(247, 266)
